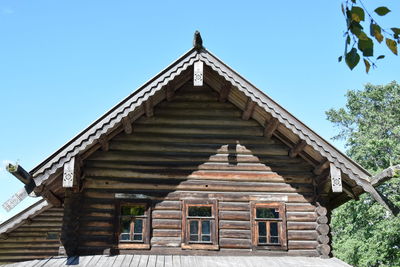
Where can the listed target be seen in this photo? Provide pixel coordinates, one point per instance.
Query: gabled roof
(113, 118)
(30, 212)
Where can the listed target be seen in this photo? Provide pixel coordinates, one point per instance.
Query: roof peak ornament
(197, 41)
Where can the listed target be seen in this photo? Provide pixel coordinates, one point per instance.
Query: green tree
(364, 233)
(363, 31)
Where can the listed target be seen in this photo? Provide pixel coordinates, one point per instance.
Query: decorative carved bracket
(224, 92)
(148, 108)
(198, 73)
(126, 122)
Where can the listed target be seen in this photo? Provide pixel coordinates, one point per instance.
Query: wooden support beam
(349, 191)
(385, 175)
(294, 151)
(224, 92)
(104, 143)
(248, 111)
(270, 127)
(321, 167)
(126, 122)
(169, 91)
(52, 198)
(148, 108)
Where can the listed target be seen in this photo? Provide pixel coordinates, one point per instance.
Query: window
(199, 224)
(269, 226)
(134, 226)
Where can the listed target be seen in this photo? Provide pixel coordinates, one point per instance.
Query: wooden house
(197, 161)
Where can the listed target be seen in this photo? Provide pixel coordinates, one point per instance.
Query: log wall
(36, 238)
(194, 146)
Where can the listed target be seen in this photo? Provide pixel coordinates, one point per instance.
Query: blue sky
(65, 63)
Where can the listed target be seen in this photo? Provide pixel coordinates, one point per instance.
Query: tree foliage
(358, 42)
(364, 233)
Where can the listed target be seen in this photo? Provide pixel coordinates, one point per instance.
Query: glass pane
(205, 227)
(273, 229)
(124, 237)
(262, 240)
(197, 211)
(262, 229)
(137, 237)
(194, 238)
(206, 238)
(274, 240)
(125, 225)
(132, 210)
(194, 227)
(138, 227)
(267, 213)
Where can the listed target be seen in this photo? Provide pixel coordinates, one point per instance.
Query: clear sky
(65, 63)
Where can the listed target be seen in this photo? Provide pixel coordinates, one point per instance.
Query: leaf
(367, 47)
(392, 45)
(367, 65)
(352, 58)
(382, 11)
(381, 57)
(354, 1)
(348, 40)
(340, 58)
(355, 28)
(376, 31)
(357, 14)
(396, 30)
(342, 8)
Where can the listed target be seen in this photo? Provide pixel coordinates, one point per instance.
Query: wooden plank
(160, 261)
(151, 261)
(135, 260)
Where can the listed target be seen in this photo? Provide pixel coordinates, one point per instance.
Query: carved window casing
(269, 226)
(200, 224)
(133, 225)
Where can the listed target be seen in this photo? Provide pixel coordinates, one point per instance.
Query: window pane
(132, 210)
(125, 225)
(205, 238)
(273, 228)
(262, 240)
(137, 237)
(267, 213)
(194, 238)
(205, 227)
(262, 229)
(199, 211)
(138, 227)
(125, 236)
(274, 240)
(194, 229)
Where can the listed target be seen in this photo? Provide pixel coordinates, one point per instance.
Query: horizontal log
(234, 243)
(323, 239)
(235, 215)
(301, 216)
(302, 235)
(295, 244)
(166, 224)
(301, 225)
(174, 120)
(166, 242)
(96, 195)
(322, 219)
(238, 225)
(167, 232)
(167, 205)
(267, 150)
(324, 249)
(199, 186)
(233, 206)
(233, 233)
(323, 229)
(300, 207)
(322, 211)
(166, 214)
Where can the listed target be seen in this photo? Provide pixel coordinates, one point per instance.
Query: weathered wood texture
(197, 146)
(36, 238)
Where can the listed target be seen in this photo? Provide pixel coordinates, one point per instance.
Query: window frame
(282, 237)
(132, 244)
(206, 245)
